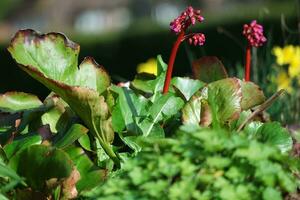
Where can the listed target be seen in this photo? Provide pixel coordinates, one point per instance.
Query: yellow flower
(149, 67)
(284, 55)
(284, 82)
(294, 67)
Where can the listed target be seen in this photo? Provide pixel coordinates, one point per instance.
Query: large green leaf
(252, 95)
(52, 59)
(59, 116)
(118, 121)
(251, 128)
(52, 54)
(39, 163)
(85, 142)
(209, 69)
(20, 144)
(164, 107)
(191, 112)
(140, 116)
(127, 114)
(161, 65)
(128, 107)
(2, 197)
(274, 134)
(90, 175)
(224, 98)
(92, 76)
(187, 86)
(7, 173)
(228, 97)
(74, 133)
(18, 101)
(91, 179)
(151, 128)
(26, 106)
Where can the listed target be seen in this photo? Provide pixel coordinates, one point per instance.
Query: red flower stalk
(255, 37)
(179, 27)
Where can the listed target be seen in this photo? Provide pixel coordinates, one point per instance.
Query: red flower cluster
(185, 19)
(254, 34)
(197, 39)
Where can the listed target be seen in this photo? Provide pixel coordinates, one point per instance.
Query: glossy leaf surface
(52, 59)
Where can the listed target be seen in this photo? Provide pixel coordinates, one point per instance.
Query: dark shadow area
(121, 56)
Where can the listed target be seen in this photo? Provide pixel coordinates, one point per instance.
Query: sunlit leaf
(191, 112)
(164, 107)
(90, 175)
(224, 98)
(118, 121)
(92, 76)
(58, 117)
(187, 86)
(23, 107)
(274, 134)
(18, 144)
(151, 128)
(252, 95)
(129, 106)
(18, 101)
(52, 59)
(85, 142)
(74, 133)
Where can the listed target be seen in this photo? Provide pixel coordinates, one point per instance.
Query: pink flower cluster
(185, 19)
(254, 34)
(197, 39)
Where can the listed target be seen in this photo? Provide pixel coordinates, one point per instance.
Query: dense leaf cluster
(202, 164)
(88, 128)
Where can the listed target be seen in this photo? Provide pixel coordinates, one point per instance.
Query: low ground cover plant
(155, 137)
(202, 164)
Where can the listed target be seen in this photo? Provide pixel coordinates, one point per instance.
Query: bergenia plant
(179, 26)
(255, 38)
(66, 146)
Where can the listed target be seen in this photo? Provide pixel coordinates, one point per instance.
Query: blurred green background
(120, 34)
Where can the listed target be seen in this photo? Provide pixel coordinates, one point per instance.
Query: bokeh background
(120, 34)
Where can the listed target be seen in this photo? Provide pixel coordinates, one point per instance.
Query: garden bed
(156, 137)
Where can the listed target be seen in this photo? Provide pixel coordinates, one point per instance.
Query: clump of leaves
(8, 179)
(64, 146)
(52, 59)
(46, 143)
(202, 164)
(71, 134)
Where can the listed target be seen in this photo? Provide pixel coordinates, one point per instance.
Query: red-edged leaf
(209, 69)
(52, 59)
